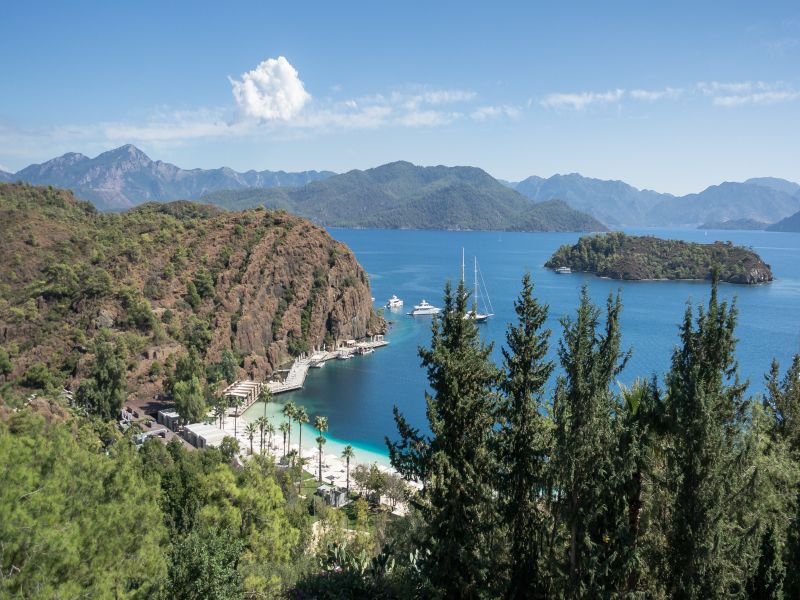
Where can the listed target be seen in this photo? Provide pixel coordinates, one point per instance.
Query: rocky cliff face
(166, 277)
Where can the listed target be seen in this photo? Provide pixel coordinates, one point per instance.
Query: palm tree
(301, 416)
(265, 396)
(289, 411)
(347, 454)
(237, 403)
(285, 428)
(262, 424)
(250, 430)
(270, 431)
(321, 425)
(641, 426)
(219, 412)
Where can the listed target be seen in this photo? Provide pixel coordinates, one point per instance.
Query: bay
(357, 395)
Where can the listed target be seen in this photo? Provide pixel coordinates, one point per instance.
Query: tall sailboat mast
(462, 264)
(476, 282)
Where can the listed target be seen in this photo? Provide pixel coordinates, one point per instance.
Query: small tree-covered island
(621, 256)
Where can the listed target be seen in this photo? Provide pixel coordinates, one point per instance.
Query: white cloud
(713, 88)
(743, 93)
(270, 100)
(581, 100)
(427, 118)
(272, 91)
(668, 93)
(485, 113)
(760, 98)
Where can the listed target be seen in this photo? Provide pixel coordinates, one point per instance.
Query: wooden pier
(296, 377)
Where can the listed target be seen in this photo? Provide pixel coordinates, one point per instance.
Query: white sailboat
(475, 314)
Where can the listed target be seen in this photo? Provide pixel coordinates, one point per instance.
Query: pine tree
(587, 486)
(455, 463)
(103, 393)
(706, 409)
(525, 440)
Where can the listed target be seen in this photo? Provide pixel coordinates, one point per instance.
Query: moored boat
(423, 308)
(394, 302)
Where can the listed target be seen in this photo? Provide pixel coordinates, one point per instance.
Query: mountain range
(403, 195)
(618, 204)
(126, 176)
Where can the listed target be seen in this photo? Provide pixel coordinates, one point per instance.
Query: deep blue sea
(357, 395)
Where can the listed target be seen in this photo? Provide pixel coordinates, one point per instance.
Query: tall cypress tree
(707, 467)
(588, 499)
(524, 443)
(455, 462)
(782, 407)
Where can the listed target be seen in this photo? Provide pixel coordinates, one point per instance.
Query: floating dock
(296, 377)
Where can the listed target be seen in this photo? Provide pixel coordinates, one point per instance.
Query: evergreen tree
(203, 565)
(782, 408)
(767, 582)
(455, 463)
(5, 363)
(587, 485)
(525, 441)
(103, 393)
(707, 469)
(229, 365)
(189, 400)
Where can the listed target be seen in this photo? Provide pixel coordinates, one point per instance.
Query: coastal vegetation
(684, 486)
(621, 256)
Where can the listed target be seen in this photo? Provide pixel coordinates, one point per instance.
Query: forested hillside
(404, 196)
(249, 289)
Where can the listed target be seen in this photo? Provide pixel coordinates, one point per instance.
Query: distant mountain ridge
(126, 176)
(401, 195)
(789, 224)
(618, 204)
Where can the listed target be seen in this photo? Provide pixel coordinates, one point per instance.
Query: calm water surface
(357, 395)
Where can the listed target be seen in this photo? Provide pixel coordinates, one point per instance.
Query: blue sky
(673, 97)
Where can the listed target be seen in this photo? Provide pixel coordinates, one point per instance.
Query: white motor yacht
(423, 308)
(394, 302)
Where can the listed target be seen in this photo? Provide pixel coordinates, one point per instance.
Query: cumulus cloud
(581, 100)
(272, 91)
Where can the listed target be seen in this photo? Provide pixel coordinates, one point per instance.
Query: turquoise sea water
(357, 395)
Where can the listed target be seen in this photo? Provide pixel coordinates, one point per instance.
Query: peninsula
(620, 256)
